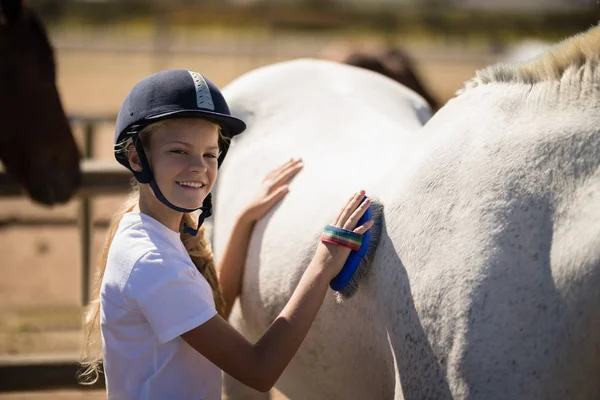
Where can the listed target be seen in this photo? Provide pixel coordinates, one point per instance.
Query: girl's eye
(211, 155)
(178, 152)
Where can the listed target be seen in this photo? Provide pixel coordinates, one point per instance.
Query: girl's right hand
(331, 256)
(274, 187)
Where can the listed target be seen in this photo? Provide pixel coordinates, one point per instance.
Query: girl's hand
(331, 256)
(273, 189)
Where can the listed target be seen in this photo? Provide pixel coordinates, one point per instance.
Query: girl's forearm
(282, 339)
(259, 365)
(230, 267)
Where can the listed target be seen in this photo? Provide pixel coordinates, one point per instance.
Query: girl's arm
(230, 267)
(259, 365)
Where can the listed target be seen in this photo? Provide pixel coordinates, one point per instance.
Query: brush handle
(354, 258)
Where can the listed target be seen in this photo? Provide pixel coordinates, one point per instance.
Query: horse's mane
(569, 55)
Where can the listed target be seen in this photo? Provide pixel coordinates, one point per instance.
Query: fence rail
(98, 178)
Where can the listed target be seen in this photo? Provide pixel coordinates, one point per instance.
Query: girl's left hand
(273, 188)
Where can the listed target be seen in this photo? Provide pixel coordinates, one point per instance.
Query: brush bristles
(364, 266)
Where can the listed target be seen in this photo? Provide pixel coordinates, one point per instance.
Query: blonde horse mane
(569, 55)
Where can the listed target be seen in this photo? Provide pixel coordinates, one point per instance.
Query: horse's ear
(10, 10)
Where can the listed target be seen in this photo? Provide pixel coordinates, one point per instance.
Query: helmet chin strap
(146, 176)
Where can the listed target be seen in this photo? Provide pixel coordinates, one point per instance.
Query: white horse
(485, 281)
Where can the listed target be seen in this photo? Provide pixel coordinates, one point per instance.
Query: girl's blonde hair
(196, 246)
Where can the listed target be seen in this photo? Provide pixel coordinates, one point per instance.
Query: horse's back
(285, 89)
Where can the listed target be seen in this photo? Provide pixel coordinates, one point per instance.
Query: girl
(158, 293)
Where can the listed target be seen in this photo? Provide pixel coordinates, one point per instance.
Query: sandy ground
(78, 394)
(56, 395)
(40, 287)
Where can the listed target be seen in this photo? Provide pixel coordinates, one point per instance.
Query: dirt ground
(56, 395)
(40, 312)
(77, 394)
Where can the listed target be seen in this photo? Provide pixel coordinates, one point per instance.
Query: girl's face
(183, 155)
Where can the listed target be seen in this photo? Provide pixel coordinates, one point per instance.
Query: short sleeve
(170, 295)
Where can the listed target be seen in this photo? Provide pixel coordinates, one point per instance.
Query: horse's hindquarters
(499, 239)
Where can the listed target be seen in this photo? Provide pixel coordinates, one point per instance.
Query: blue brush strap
(351, 264)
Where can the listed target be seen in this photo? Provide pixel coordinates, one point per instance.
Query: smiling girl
(161, 304)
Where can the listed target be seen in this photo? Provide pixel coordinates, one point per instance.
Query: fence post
(85, 219)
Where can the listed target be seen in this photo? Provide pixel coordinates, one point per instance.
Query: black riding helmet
(167, 95)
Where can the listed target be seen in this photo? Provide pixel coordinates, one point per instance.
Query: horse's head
(36, 144)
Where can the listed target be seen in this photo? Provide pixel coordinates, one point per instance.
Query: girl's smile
(192, 185)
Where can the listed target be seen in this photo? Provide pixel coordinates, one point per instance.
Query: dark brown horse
(395, 64)
(36, 144)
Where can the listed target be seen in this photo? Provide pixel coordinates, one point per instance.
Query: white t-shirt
(152, 293)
